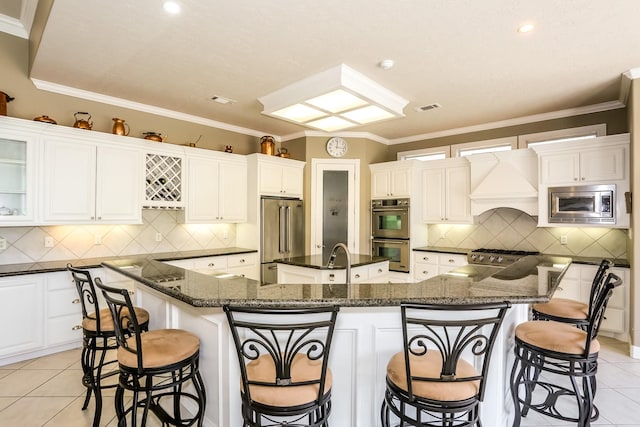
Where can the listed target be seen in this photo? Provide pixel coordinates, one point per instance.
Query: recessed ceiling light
(222, 100)
(385, 64)
(171, 7)
(525, 28)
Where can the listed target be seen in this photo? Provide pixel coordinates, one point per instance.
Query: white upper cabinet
(445, 192)
(18, 168)
(87, 183)
(391, 179)
(217, 189)
(280, 177)
(591, 166)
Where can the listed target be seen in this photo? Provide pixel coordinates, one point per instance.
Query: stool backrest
(598, 282)
(451, 331)
(281, 335)
(600, 301)
(87, 294)
(127, 327)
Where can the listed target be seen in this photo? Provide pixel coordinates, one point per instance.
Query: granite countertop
(442, 249)
(320, 261)
(52, 266)
(531, 279)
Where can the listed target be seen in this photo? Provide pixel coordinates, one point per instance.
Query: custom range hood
(504, 179)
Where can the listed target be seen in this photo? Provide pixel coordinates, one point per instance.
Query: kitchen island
(314, 269)
(368, 330)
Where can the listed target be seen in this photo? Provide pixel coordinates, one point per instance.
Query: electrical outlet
(98, 239)
(48, 242)
(3, 243)
(158, 237)
(564, 239)
(225, 234)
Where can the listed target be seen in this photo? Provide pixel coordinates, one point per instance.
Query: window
(426, 154)
(487, 146)
(562, 135)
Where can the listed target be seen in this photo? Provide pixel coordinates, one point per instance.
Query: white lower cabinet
(245, 265)
(22, 314)
(576, 284)
(64, 310)
(429, 264)
(293, 274)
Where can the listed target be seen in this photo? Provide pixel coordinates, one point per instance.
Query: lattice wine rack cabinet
(163, 188)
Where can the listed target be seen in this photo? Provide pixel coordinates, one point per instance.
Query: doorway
(335, 199)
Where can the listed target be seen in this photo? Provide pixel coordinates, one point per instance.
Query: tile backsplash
(506, 228)
(26, 244)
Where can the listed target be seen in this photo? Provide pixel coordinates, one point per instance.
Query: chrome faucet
(332, 259)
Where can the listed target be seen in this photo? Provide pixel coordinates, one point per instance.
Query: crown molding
(120, 102)
(20, 27)
(588, 109)
(343, 134)
(625, 84)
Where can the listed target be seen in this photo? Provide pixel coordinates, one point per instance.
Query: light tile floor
(48, 392)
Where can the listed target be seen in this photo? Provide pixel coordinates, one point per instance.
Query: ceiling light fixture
(526, 28)
(385, 64)
(335, 99)
(171, 7)
(222, 100)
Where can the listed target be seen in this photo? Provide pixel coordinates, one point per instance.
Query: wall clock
(336, 147)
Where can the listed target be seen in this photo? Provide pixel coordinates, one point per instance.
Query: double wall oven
(390, 232)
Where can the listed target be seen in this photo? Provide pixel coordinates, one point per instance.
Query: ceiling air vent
(222, 100)
(428, 107)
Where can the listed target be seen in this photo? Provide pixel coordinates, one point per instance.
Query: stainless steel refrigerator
(282, 234)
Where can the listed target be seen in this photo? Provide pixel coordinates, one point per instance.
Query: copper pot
(267, 145)
(153, 136)
(45, 119)
(83, 123)
(283, 152)
(120, 127)
(4, 99)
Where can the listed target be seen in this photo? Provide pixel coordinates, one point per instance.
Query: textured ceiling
(465, 55)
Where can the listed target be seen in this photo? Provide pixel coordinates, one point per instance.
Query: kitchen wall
(26, 244)
(506, 228)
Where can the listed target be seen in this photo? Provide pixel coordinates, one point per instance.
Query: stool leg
(515, 381)
(87, 370)
(119, 404)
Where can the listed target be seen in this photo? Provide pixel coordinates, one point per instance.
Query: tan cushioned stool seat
(160, 347)
(302, 369)
(106, 321)
(430, 366)
(555, 336)
(562, 307)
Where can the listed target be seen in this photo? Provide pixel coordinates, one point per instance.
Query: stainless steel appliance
(583, 204)
(496, 257)
(282, 234)
(390, 218)
(396, 250)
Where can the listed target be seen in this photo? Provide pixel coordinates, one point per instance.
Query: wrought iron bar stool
(571, 311)
(283, 355)
(98, 337)
(433, 382)
(154, 365)
(557, 360)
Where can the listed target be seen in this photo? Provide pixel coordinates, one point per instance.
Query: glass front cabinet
(17, 169)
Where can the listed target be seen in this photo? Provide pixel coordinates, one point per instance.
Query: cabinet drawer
(216, 263)
(187, 264)
(424, 271)
(452, 260)
(241, 260)
(359, 274)
(248, 271)
(64, 329)
(64, 302)
(426, 257)
(377, 270)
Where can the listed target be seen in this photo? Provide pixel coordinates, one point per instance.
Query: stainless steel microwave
(583, 204)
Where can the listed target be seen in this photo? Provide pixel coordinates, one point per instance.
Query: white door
(331, 207)
(202, 190)
(118, 185)
(232, 193)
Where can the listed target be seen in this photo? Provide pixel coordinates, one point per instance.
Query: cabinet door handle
(241, 260)
(211, 264)
(93, 217)
(379, 270)
(426, 258)
(425, 272)
(452, 260)
(76, 301)
(357, 276)
(99, 217)
(560, 288)
(76, 328)
(131, 293)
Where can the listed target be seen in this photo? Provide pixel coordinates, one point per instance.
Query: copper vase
(4, 99)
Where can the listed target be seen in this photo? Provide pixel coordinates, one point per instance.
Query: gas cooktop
(497, 257)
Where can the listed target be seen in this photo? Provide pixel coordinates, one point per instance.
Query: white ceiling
(465, 55)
